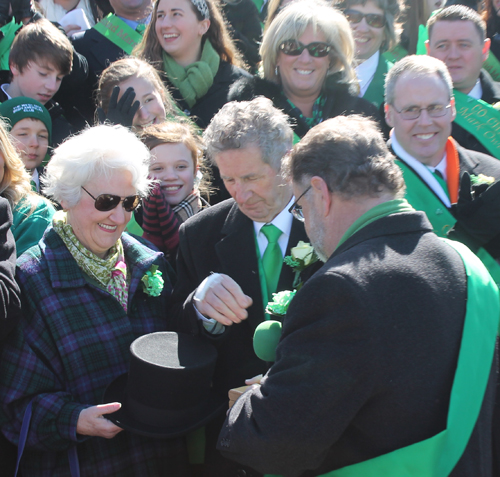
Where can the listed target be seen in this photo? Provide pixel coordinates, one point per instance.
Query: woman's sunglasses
(373, 19)
(318, 49)
(107, 202)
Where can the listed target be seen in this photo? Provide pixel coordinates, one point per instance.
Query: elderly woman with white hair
(89, 290)
(307, 53)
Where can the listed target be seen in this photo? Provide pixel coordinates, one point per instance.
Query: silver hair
(418, 66)
(96, 152)
(291, 23)
(250, 123)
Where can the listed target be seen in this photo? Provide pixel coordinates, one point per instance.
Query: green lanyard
(438, 455)
(119, 33)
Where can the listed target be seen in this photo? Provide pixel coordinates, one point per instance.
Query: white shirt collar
(422, 170)
(283, 221)
(4, 89)
(477, 91)
(366, 71)
(36, 179)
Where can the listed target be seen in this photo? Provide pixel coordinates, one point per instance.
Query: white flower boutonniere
(302, 256)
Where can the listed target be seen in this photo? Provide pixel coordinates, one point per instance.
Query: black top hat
(166, 392)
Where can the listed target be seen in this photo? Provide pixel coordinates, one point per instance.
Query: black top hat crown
(167, 391)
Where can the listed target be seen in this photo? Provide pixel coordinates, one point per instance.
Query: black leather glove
(477, 212)
(120, 112)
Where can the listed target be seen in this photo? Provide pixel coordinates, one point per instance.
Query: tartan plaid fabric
(73, 340)
(188, 207)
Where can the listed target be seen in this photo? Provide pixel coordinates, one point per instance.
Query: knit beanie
(15, 109)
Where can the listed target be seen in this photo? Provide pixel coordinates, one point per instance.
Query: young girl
(176, 151)
(137, 81)
(188, 43)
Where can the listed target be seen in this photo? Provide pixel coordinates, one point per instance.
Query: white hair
(96, 152)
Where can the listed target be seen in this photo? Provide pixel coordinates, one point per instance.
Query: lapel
(237, 256)
(103, 50)
(297, 233)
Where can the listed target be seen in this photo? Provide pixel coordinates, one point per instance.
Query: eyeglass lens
(373, 19)
(316, 49)
(107, 202)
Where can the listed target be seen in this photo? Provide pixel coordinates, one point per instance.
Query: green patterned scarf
(194, 81)
(110, 272)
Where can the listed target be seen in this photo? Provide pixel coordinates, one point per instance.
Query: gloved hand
(160, 224)
(477, 212)
(120, 112)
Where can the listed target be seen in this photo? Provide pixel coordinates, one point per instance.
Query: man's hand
(92, 422)
(221, 298)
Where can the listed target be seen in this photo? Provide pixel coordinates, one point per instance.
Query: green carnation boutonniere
(280, 303)
(152, 282)
(302, 256)
(481, 179)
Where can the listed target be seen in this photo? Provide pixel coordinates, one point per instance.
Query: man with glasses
(366, 369)
(230, 258)
(457, 36)
(438, 172)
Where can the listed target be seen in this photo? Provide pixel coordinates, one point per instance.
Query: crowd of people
(170, 168)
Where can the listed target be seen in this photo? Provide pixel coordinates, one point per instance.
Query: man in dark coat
(370, 343)
(222, 281)
(457, 36)
(420, 108)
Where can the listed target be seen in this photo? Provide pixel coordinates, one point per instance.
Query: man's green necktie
(272, 259)
(439, 177)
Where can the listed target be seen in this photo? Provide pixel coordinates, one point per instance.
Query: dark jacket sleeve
(10, 303)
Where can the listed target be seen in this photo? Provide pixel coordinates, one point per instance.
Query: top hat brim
(116, 392)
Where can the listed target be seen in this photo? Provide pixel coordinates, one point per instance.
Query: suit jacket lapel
(238, 258)
(297, 233)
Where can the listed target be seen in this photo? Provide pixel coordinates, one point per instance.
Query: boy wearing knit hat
(30, 126)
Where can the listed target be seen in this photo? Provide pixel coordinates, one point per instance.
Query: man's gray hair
(416, 66)
(350, 155)
(100, 151)
(250, 123)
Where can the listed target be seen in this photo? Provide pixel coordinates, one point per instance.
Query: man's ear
(14, 70)
(427, 46)
(321, 195)
(388, 115)
(486, 49)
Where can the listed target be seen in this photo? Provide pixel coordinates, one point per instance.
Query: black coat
(366, 360)
(491, 95)
(341, 100)
(221, 239)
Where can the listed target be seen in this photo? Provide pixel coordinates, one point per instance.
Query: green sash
(375, 91)
(395, 54)
(119, 33)
(480, 119)
(422, 198)
(492, 66)
(438, 455)
(9, 33)
(259, 4)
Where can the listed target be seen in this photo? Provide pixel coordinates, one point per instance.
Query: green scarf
(194, 81)
(110, 272)
(395, 206)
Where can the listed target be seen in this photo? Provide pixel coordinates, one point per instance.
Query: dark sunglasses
(107, 202)
(373, 19)
(318, 49)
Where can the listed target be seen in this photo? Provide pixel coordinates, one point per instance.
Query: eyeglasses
(434, 111)
(296, 209)
(318, 49)
(107, 202)
(373, 19)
